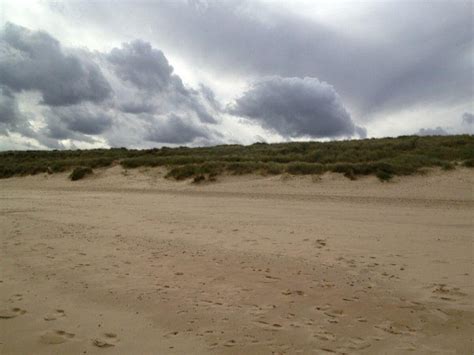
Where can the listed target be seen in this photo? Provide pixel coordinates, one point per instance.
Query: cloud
(9, 112)
(12, 120)
(33, 60)
(386, 57)
(143, 66)
(76, 121)
(154, 87)
(438, 131)
(295, 107)
(468, 118)
(176, 130)
(85, 97)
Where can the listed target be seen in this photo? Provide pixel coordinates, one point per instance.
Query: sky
(142, 74)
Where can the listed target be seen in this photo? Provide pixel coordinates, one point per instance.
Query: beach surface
(127, 262)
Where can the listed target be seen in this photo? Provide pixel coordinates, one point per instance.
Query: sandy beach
(127, 262)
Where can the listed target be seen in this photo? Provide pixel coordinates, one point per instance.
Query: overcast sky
(137, 74)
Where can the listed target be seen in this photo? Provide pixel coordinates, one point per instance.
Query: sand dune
(126, 262)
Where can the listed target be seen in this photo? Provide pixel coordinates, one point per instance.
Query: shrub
(350, 175)
(198, 179)
(383, 175)
(182, 172)
(447, 166)
(80, 172)
(301, 168)
(469, 163)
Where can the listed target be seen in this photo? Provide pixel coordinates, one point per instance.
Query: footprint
(56, 337)
(320, 243)
(325, 336)
(16, 297)
(53, 316)
(107, 341)
(11, 313)
(334, 313)
(230, 343)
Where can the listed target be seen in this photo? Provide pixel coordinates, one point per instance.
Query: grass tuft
(80, 172)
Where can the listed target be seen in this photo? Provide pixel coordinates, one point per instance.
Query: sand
(126, 262)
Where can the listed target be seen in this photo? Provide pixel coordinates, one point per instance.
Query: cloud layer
(144, 74)
(95, 97)
(130, 95)
(385, 57)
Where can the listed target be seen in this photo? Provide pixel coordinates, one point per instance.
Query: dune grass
(384, 158)
(80, 172)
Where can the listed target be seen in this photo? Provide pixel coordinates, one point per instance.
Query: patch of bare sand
(128, 262)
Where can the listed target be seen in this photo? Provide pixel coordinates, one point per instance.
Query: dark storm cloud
(74, 90)
(468, 118)
(12, 120)
(9, 112)
(33, 60)
(401, 54)
(136, 107)
(176, 130)
(295, 107)
(85, 119)
(159, 89)
(438, 131)
(145, 67)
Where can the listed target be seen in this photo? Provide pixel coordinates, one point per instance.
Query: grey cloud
(423, 57)
(11, 118)
(84, 119)
(147, 94)
(468, 118)
(9, 112)
(33, 60)
(295, 107)
(159, 89)
(176, 130)
(438, 131)
(209, 96)
(137, 107)
(140, 64)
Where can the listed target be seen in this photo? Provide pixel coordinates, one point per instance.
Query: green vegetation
(384, 158)
(80, 172)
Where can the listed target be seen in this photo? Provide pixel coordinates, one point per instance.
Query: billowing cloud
(143, 66)
(154, 86)
(176, 130)
(295, 107)
(12, 120)
(86, 119)
(9, 112)
(89, 97)
(36, 61)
